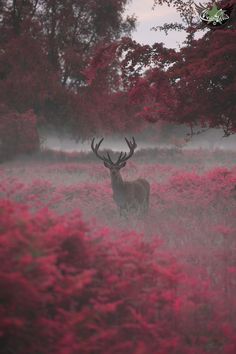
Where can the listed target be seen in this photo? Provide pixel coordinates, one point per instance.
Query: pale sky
(148, 18)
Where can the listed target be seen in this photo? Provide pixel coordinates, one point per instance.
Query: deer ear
(106, 165)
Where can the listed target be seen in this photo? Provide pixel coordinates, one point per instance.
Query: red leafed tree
(45, 48)
(148, 90)
(26, 80)
(109, 107)
(194, 86)
(204, 77)
(18, 133)
(205, 81)
(74, 31)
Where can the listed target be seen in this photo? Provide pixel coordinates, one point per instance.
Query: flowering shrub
(67, 289)
(87, 282)
(190, 188)
(18, 133)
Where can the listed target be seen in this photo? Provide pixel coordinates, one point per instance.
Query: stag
(128, 195)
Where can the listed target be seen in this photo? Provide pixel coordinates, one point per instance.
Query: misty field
(164, 283)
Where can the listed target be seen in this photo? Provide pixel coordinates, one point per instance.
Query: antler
(123, 155)
(95, 150)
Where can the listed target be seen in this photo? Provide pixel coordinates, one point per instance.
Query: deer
(128, 195)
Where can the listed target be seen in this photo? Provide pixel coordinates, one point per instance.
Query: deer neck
(117, 182)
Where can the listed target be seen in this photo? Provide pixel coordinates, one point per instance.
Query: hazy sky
(148, 18)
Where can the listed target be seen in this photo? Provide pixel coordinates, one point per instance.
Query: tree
(193, 86)
(73, 28)
(187, 12)
(45, 48)
(204, 76)
(143, 76)
(18, 133)
(205, 81)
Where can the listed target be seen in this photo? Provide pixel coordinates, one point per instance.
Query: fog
(211, 140)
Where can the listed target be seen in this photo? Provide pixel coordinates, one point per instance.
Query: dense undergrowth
(77, 278)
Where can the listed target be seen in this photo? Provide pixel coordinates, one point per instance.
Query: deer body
(128, 195)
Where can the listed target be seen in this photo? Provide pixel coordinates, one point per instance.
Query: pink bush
(66, 289)
(191, 189)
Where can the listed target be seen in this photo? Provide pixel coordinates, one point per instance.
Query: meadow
(94, 282)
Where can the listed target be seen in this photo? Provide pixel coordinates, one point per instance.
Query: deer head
(115, 167)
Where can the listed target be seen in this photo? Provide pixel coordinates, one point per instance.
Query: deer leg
(146, 208)
(122, 212)
(146, 204)
(143, 209)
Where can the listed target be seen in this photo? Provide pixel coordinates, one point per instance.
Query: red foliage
(26, 80)
(205, 81)
(193, 86)
(18, 133)
(149, 95)
(45, 49)
(91, 79)
(68, 290)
